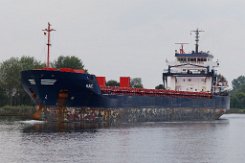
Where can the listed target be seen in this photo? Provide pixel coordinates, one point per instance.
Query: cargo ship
(192, 91)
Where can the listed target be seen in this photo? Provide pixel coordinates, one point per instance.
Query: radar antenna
(181, 50)
(197, 31)
(48, 30)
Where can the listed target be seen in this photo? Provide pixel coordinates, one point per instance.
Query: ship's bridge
(194, 72)
(195, 58)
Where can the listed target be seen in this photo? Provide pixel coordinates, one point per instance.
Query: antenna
(197, 31)
(48, 30)
(181, 50)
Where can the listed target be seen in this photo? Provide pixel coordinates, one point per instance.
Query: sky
(132, 38)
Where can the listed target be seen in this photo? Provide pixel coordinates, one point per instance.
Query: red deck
(151, 92)
(79, 71)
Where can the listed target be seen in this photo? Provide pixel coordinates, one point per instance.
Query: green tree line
(238, 93)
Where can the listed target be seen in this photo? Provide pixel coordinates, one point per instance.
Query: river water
(176, 142)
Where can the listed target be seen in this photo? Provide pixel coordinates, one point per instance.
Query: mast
(48, 30)
(197, 31)
(181, 50)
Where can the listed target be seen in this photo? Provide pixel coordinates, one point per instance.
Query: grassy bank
(239, 111)
(21, 110)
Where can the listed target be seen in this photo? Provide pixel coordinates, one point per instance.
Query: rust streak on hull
(129, 115)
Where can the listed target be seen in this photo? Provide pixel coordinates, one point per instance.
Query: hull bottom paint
(127, 115)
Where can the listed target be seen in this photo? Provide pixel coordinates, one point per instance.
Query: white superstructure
(194, 72)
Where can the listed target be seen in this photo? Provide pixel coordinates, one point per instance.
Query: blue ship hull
(80, 94)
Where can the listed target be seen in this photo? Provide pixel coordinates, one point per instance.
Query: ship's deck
(152, 92)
